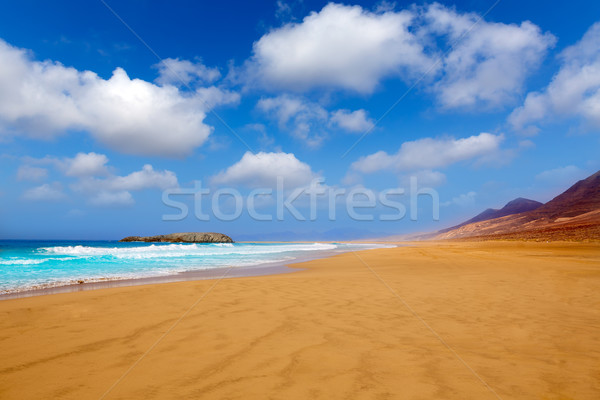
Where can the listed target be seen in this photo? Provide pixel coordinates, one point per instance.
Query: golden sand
(432, 321)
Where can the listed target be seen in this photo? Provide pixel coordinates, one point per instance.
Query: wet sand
(483, 320)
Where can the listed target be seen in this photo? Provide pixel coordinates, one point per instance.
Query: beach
(447, 320)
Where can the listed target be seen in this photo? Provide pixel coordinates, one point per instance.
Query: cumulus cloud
(29, 173)
(146, 178)
(430, 153)
(83, 164)
(213, 96)
(116, 190)
(466, 61)
(45, 192)
(339, 47)
(261, 170)
(298, 116)
(86, 164)
(489, 61)
(46, 99)
(307, 120)
(96, 181)
(573, 92)
(176, 72)
(352, 121)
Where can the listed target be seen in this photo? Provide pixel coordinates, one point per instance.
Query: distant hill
(515, 206)
(572, 215)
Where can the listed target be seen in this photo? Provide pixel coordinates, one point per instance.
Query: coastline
(266, 268)
(522, 315)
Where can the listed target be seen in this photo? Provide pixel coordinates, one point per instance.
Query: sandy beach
(485, 320)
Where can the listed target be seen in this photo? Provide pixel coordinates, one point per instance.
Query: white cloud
(86, 164)
(341, 46)
(466, 60)
(45, 192)
(352, 121)
(83, 164)
(261, 170)
(29, 173)
(176, 72)
(213, 96)
(147, 178)
(115, 190)
(490, 61)
(97, 182)
(46, 99)
(134, 116)
(302, 118)
(430, 153)
(573, 92)
(307, 121)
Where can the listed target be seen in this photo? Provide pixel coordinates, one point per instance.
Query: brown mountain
(515, 206)
(582, 197)
(572, 215)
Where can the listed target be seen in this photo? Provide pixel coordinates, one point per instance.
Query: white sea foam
(54, 282)
(20, 261)
(63, 265)
(182, 250)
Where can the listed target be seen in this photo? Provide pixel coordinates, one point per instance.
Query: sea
(30, 265)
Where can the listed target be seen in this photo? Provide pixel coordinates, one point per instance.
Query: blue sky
(481, 101)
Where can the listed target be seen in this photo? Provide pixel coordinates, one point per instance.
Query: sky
(142, 117)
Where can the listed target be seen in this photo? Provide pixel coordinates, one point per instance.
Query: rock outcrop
(185, 237)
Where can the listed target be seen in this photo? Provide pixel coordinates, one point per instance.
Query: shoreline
(378, 323)
(261, 269)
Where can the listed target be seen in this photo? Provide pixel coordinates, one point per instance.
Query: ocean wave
(183, 250)
(21, 261)
(64, 265)
(53, 282)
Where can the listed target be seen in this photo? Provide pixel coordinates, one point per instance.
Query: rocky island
(185, 237)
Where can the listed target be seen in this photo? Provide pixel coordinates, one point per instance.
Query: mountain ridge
(516, 206)
(572, 215)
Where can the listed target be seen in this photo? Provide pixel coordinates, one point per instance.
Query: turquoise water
(26, 265)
